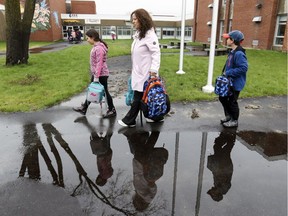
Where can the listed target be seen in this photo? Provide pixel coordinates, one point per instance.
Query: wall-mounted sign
(73, 15)
(73, 22)
(93, 21)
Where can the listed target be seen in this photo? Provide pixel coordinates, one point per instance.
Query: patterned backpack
(155, 102)
(223, 86)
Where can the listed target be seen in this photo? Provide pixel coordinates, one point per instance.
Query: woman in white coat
(145, 54)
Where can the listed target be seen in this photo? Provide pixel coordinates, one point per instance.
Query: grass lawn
(48, 79)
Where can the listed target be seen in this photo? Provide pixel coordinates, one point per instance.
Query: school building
(263, 22)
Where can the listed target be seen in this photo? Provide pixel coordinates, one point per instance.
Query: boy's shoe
(110, 113)
(226, 119)
(231, 124)
(82, 109)
(125, 125)
(153, 121)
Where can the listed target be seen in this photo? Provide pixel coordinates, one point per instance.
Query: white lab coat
(145, 54)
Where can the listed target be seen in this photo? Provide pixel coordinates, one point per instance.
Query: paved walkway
(189, 151)
(258, 114)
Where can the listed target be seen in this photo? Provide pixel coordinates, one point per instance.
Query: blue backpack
(155, 102)
(223, 86)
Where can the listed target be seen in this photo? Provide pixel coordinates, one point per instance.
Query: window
(280, 30)
(106, 30)
(168, 31)
(178, 32)
(158, 32)
(124, 30)
(188, 32)
(221, 31)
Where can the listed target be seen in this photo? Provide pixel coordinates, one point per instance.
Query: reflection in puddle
(271, 145)
(138, 172)
(220, 164)
(42, 49)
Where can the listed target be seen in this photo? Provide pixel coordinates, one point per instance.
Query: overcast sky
(156, 7)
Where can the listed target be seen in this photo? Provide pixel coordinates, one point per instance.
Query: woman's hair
(145, 21)
(92, 33)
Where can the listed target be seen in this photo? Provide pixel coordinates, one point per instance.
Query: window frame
(281, 22)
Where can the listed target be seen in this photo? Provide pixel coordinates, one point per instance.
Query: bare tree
(18, 29)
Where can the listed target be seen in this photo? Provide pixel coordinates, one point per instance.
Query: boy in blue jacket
(236, 67)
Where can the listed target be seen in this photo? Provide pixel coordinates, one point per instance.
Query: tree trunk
(18, 31)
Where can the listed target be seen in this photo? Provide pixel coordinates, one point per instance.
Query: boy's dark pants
(230, 105)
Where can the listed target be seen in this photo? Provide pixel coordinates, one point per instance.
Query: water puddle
(140, 172)
(46, 49)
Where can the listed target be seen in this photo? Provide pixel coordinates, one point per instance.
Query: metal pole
(180, 71)
(209, 88)
(201, 171)
(175, 173)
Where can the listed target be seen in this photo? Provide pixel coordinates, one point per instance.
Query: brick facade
(202, 15)
(55, 32)
(263, 32)
(239, 14)
(83, 7)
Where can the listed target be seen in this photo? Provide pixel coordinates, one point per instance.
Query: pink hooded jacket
(98, 58)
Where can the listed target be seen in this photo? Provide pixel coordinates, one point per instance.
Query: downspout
(195, 20)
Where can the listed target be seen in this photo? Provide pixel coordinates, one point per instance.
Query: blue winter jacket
(237, 67)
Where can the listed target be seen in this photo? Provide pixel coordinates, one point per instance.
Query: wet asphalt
(51, 160)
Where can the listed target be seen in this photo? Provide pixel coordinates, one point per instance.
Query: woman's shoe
(125, 125)
(154, 121)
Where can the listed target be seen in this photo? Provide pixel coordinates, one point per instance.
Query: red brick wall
(243, 14)
(204, 14)
(83, 7)
(57, 8)
(263, 31)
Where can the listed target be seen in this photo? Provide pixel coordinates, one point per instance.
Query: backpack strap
(223, 69)
(156, 81)
(239, 48)
(149, 86)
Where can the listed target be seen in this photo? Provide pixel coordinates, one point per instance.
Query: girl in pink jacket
(99, 71)
(145, 54)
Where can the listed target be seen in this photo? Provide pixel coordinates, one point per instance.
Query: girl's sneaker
(110, 113)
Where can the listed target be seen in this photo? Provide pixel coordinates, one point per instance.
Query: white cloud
(156, 7)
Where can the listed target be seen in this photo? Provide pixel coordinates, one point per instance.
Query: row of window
(126, 32)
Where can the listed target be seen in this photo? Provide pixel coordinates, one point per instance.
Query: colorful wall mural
(41, 19)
